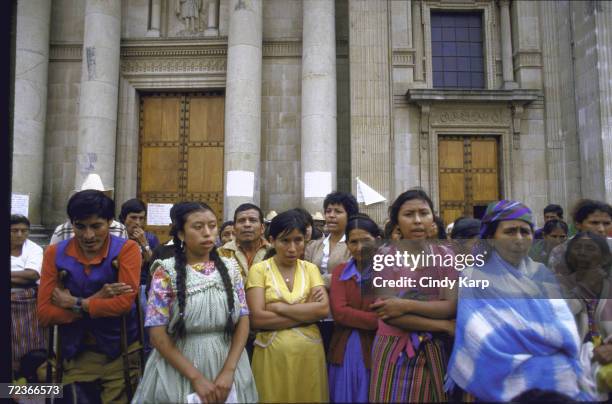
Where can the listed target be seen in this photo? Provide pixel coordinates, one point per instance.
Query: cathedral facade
(278, 101)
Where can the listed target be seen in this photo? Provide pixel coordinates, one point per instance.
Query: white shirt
(326, 252)
(31, 258)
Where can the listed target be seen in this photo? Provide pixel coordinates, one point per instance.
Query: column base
(211, 32)
(153, 33)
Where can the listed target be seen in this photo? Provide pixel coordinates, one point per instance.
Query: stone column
(506, 44)
(243, 97)
(31, 66)
(99, 92)
(154, 19)
(318, 146)
(212, 28)
(371, 135)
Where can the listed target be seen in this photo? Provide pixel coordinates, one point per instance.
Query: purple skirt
(350, 382)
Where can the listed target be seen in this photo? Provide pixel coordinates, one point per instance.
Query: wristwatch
(145, 248)
(78, 306)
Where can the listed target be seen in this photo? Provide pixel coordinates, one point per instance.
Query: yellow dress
(288, 365)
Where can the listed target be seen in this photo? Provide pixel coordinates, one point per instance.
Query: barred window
(457, 56)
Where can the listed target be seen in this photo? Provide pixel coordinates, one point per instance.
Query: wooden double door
(181, 150)
(468, 175)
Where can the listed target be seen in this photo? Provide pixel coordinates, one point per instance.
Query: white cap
(93, 181)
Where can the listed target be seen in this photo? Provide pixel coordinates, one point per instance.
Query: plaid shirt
(64, 231)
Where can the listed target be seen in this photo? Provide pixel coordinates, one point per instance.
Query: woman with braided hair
(198, 319)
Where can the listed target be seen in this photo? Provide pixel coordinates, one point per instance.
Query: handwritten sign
(20, 204)
(158, 214)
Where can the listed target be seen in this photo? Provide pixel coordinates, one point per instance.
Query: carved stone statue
(189, 12)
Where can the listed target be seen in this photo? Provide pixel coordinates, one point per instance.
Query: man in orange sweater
(88, 282)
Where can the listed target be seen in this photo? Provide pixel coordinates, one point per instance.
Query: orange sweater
(129, 272)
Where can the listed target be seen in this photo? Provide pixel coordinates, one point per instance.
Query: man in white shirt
(26, 263)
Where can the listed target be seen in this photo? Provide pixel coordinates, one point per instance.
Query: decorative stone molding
(403, 57)
(492, 117)
(286, 48)
(66, 52)
(173, 48)
(527, 59)
(517, 115)
(425, 114)
(418, 95)
(184, 65)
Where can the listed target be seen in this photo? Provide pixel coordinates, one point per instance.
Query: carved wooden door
(468, 175)
(181, 151)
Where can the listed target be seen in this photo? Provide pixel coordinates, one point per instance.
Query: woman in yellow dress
(286, 296)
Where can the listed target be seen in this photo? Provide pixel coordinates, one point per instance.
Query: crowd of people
(258, 310)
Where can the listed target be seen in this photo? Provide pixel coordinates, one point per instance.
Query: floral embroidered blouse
(161, 294)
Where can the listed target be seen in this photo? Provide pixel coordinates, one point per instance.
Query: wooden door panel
(451, 154)
(484, 154)
(485, 187)
(204, 122)
(452, 186)
(161, 122)
(160, 166)
(205, 169)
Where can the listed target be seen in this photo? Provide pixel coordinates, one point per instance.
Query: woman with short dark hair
(328, 252)
(26, 263)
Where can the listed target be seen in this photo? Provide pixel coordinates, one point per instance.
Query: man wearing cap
(88, 283)
(249, 247)
(64, 231)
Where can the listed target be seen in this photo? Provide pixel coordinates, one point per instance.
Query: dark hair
(388, 231)
(29, 364)
(465, 227)
(553, 208)
(348, 202)
(541, 396)
(363, 222)
(182, 212)
(554, 224)
(18, 219)
(131, 206)
(286, 222)
(601, 243)
(405, 197)
(249, 206)
(585, 207)
(89, 203)
(490, 230)
(441, 227)
(224, 225)
(316, 234)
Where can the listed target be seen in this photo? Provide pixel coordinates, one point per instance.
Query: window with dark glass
(456, 48)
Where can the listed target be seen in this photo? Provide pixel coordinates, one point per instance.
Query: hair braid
(229, 291)
(180, 262)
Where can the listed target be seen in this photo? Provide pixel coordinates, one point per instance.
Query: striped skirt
(26, 334)
(416, 379)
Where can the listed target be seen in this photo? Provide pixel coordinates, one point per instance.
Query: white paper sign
(158, 214)
(240, 183)
(366, 195)
(317, 184)
(20, 204)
